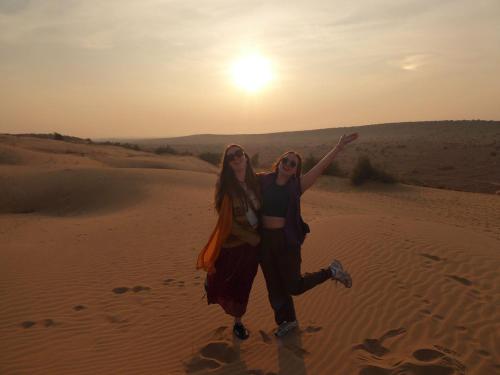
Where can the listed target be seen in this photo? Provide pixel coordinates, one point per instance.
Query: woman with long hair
(283, 232)
(231, 254)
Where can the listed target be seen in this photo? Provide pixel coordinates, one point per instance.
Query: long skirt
(230, 285)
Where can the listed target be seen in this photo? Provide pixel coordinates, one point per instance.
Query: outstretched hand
(346, 139)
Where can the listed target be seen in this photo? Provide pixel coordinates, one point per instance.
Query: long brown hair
(298, 172)
(228, 184)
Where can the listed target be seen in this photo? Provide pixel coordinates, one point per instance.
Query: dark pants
(281, 267)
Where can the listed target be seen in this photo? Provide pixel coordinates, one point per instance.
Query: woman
(284, 231)
(230, 256)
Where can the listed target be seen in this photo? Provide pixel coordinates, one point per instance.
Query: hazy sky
(146, 68)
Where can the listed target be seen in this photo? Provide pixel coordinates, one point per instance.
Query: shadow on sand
(223, 356)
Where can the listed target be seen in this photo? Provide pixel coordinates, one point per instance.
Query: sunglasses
(237, 154)
(288, 162)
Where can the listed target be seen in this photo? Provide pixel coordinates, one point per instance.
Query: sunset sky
(153, 68)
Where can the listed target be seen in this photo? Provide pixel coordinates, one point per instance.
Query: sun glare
(252, 73)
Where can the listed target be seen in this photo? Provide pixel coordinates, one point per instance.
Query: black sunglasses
(290, 163)
(237, 154)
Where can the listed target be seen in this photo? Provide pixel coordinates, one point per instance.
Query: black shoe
(240, 331)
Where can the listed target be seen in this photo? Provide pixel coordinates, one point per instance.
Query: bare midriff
(273, 222)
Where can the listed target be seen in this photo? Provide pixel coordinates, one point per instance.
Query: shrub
(308, 163)
(211, 157)
(334, 170)
(364, 171)
(165, 150)
(58, 137)
(130, 146)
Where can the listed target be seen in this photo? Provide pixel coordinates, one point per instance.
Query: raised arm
(308, 180)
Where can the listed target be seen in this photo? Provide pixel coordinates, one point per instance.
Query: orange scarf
(210, 253)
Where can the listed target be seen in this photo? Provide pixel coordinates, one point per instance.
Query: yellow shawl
(210, 253)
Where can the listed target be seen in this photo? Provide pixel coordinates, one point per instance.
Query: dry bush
(364, 171)
(211, 157)
(165, 150)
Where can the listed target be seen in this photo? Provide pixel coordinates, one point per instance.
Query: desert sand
(97, 263)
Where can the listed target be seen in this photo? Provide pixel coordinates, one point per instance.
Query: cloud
(412, 62)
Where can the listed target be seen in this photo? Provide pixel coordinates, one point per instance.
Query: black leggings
(281, 267)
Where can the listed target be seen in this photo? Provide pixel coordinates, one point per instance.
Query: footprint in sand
(140, 288)
(429, 361)
(427, 355)
(79, 307)
(432, 257)
(115, 319)
(375, 347)
(220, 351)
(461, 280)
(168, 281)
(212, 356)
(45, 323)
(198, 364)
(120, 290)
(48, 323)
(28, 324)
(219, 333)
(135, 289)
(312, 329)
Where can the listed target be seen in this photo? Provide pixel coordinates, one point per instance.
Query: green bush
(211, 157)
(364, 171)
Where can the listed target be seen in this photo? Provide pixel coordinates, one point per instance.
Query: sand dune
(48, 153)
(97, 266)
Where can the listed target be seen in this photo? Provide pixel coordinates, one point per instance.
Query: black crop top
(275, 200)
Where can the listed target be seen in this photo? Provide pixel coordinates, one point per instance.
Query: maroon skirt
(230, 285)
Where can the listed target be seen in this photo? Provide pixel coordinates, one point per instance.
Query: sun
(252, 72)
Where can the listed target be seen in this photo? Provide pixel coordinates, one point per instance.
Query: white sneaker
(338, 274)
(285, 327)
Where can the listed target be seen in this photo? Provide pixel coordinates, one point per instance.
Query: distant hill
(403, 130)
(460, 155)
